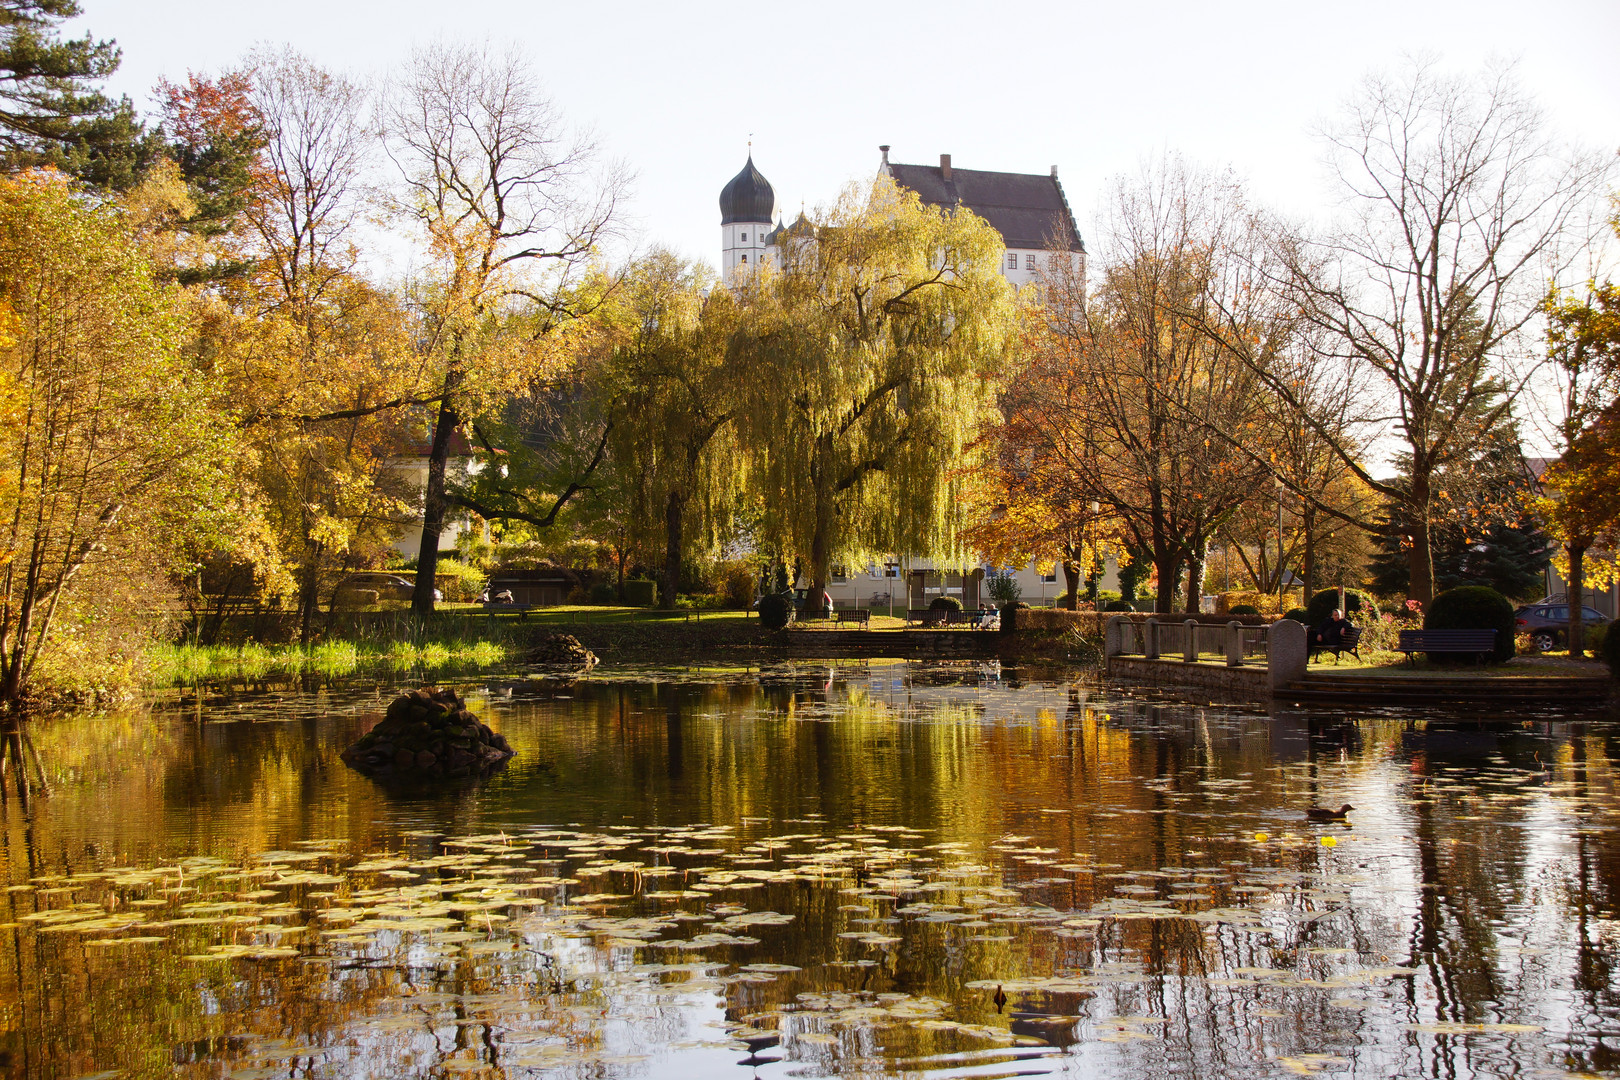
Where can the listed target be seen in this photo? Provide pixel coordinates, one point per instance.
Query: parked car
(387, 586)
(1547, 622)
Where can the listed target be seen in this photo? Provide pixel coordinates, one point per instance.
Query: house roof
(1028, 210)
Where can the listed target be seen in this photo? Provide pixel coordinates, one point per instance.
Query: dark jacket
(1331, 632)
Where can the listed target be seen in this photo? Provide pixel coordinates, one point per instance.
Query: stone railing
(1282, 644)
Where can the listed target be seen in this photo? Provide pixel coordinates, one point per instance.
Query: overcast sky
(675, 89)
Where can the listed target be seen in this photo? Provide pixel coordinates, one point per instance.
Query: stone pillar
(1234, 644)
(1286, 653)
(1113, 637)
(1150, 639)
(1190, 655)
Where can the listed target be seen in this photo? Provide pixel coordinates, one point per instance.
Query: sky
(676, 90)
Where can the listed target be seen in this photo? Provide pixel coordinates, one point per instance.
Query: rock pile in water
(428, 733)
(562, 649)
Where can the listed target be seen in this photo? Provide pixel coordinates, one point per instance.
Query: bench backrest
(1461, 640)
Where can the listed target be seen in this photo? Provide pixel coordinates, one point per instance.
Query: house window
(1050, 578)
(1029, 262)
(840, 573)
(745, 258)
(1012, 261)
(891, 569)
(745, 238)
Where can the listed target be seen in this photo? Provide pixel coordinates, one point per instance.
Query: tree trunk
(674, 510)
(433, 509)
(1420, 560)
(1576, 634)
(1195, 578)
(309, 589)
(1308, 570)
(1071, 578)
(1166, 567)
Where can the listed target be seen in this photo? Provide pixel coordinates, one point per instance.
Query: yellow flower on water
(1328, 841)
(1261, 838)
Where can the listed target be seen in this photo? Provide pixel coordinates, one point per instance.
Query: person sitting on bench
(1331, 633)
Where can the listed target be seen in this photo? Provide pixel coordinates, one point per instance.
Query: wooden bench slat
(1477, 642)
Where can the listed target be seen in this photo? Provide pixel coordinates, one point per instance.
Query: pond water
(880, 869)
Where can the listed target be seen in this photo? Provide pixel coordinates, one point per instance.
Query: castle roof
(748, 197)
(1028, 210)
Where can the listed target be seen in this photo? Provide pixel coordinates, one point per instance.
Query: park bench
(1476, 642)
(855, 615)
(1348, 643)
(490, 607)
(936, 617)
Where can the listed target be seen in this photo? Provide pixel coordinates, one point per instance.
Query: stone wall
(1247, 683)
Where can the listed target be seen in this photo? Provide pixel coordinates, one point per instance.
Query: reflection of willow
(17, 753)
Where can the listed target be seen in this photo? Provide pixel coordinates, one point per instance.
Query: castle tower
(747, 206)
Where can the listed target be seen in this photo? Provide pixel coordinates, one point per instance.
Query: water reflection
(860, 870)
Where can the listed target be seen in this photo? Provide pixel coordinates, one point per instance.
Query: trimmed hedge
(1609, 649)
(640, 592)
(945, 603)
(603, 592)
(1119, 605)
(1300, 615)
(1473, 607)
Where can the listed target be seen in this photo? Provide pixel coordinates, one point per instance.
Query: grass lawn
(1393, 664)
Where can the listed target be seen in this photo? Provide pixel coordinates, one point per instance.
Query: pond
(855, 869)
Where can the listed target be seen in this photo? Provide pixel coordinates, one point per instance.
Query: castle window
(1012, 261)
(745, 238)
(745, 258)
(1029, 262)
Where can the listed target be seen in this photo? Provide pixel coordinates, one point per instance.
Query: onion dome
(748, 197)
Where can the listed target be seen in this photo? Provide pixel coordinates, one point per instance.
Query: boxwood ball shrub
(1323, 603)
(1243, 609)
(945, 603)
(1118, 605)
(1474, 607)
(775, 609)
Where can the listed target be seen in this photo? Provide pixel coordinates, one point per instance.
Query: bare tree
(1459, 208)
(511, 207)
(317, 143)
(1131, 395)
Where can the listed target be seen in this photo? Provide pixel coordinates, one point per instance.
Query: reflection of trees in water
(19, 757)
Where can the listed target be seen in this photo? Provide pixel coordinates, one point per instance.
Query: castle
(1029, 210)
(1037, 229)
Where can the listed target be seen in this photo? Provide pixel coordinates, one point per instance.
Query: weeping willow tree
(675, 401)
(867, 366)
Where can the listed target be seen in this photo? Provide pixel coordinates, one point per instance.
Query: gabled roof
(1028, 210)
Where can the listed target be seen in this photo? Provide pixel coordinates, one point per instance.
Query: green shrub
(1323, 603)
(603, 592)
(736, 581)
(460, 582)
(1003, 588)
(1243, 609)
(1118, 605)
(1474, 607)
(945, 603)
(640, 592)
(775, 609)
(1300, 615)
(1595, 637)
(1609, 650)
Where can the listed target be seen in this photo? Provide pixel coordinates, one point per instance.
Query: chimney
(885, 149)
(1054, 172)
(945, 167)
